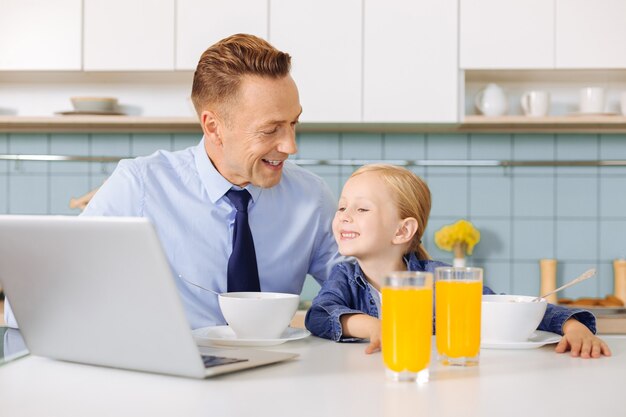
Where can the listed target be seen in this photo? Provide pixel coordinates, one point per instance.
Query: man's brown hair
(222, 67)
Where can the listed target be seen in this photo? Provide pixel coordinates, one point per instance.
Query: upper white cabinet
(128, 35)
(497, 34)
(591, 34)
(40, 35)
(324, 38)
(410, 61)
(201, 23)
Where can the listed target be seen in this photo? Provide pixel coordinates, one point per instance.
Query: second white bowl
(510, 318)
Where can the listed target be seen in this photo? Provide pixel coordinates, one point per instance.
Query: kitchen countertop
(328, 379)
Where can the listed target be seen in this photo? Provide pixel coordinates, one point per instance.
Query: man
(248, 107)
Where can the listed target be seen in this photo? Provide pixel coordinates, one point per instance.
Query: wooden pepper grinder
(619, 276)
(548, 278)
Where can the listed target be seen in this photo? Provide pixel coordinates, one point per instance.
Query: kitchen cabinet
(515, 34)
(40, 35)
(201, 23)
(590, 34)
(324, 38)
(410, 60)
(128, 35)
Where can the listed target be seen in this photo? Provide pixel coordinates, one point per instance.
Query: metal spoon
(196, 285)
(581, 278)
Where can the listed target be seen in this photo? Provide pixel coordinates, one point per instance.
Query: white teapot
(491, 101)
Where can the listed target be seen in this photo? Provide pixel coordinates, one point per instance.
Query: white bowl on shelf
(94, 104)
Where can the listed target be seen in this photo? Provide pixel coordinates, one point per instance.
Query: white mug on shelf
(535, 103)
(592, 100)
(491, 101)
(623, 102)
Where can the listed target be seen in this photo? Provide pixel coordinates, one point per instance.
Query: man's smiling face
(258, 133)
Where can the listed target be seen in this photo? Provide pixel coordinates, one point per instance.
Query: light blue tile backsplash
(447, 146)
(4, 148)
(33, 144)
(4, 193)
(524, 278)
(612, 147)
(490, 147)
(612, 239)
(577, 240)
(109, 145)
(533, 239)
(146, 144)
(497, 275)
(577, 147)
(495, 239)
(533, 196)
(576, 214)
(490, 196)
(29, 194)
(576, 196)
(534, 148)
(69, 144)
(63, 188)
(399, 146)
(612, 196)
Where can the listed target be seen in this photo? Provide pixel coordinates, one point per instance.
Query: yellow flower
(460, 233)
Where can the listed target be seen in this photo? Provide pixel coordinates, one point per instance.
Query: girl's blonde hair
(411, 195)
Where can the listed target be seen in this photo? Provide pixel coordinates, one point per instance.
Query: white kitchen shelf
(129, 124)
(554, 124)
(502, 124)
(90, 124)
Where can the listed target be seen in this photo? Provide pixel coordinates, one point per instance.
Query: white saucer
(538, 339)
(225, 336)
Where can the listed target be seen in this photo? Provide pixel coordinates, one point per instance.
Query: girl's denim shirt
(347, 292)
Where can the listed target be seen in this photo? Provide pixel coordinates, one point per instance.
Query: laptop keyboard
(211, 361)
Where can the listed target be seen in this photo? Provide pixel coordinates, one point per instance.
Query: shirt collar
(410, 259)
(214, 183)
(359, 275)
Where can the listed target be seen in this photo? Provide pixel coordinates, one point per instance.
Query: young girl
(380, 220)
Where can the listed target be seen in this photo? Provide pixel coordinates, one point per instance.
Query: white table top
(328, 379)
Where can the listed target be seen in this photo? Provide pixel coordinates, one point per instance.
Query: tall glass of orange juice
(407, 324)
(458, 296)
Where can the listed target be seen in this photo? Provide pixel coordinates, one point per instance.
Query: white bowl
(510, 318)
(94, 104)
(258, 315)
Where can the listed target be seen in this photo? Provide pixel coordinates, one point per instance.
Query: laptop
(99, 290)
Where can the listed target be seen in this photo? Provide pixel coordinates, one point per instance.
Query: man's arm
(325, 255)
(122, 194)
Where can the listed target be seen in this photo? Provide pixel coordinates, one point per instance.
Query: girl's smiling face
(367, 218)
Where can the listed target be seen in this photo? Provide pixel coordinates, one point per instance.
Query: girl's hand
(374, 337)
(362, 326)
(579, 340)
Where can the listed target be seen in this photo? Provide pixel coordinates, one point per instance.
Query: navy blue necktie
(242, 274)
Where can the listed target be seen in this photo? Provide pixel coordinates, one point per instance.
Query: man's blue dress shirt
(184, 196)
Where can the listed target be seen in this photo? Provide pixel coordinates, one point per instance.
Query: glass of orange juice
(407, 325)
(458, 296)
